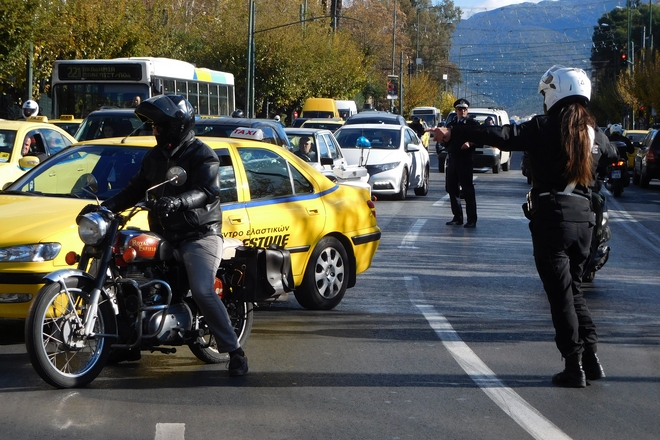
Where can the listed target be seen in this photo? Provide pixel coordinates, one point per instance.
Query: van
(430, 115)
(489, 156)
(320, 108)
(346, 108)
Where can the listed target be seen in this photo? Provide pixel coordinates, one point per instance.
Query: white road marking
(409, 239)
(525, 415)
(170, 431)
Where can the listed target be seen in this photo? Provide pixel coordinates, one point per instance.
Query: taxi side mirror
(28, 162)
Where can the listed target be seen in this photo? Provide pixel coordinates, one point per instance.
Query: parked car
(111, 122)
(44, 140)
(636, 137)
(647, 160)
(331, 124)
(268, 196)
(273, 131)
(376, 117)
(326, 154)
(394, 157)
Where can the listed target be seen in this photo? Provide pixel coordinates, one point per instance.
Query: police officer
(565, 149)
(458, 174)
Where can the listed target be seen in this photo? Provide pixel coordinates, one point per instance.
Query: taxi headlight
(92, 228)
(30, 252)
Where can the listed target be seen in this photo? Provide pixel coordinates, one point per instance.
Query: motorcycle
(128, 293)
(599, 252)
(617, 172)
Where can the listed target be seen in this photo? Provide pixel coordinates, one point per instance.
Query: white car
(393, 155)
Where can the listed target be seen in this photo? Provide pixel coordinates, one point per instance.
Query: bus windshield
(82, 99)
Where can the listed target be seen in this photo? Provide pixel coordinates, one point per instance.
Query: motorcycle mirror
(177, 176)
(92, 183)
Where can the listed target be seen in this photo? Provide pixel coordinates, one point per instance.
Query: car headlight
(92, 228)
(30, 252)
(382, 167)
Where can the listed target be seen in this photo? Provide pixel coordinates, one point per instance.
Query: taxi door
(235, 221)
(284, 206)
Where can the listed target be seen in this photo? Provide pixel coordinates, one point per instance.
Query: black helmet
(174, 115)
(238, 113)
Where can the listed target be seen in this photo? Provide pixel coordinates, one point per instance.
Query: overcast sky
(470, 7)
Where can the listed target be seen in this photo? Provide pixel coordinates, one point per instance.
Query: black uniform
(561, 220)
(459, 175)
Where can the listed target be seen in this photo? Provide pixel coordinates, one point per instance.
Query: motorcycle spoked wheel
(57, 353)
(241, 315)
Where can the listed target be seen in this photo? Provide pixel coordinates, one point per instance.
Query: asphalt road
(447, 336)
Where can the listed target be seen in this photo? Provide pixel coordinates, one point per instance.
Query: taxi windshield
(66, 174)
(7, 140)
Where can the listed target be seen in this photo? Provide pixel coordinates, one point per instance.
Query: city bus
(82, 86)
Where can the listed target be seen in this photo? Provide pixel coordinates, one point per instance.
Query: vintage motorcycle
(128, 293)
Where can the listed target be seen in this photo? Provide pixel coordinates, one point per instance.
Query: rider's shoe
(238, 365)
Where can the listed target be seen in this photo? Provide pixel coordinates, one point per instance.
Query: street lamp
(460, 54)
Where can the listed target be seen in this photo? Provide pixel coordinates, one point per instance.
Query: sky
(470, 7)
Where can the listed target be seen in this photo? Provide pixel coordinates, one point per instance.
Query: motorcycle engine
(178, 320)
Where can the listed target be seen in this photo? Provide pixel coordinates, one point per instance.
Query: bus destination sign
(103, 72)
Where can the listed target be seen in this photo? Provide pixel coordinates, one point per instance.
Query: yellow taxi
(23, 144)
(636, 137)
(68, 123)
(269, 196)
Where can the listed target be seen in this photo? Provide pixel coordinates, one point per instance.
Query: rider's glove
(165, 205)
(92, 207)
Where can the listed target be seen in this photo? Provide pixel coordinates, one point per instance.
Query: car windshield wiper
(17, 192)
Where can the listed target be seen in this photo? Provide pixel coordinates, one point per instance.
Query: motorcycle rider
(189, 216)
(30, 108)
(563, 154)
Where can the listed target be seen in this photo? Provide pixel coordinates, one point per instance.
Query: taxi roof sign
(255, 134)
(38, 119)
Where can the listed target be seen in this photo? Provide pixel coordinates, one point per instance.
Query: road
(447, 336)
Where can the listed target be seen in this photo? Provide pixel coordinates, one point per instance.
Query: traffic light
(624, 60)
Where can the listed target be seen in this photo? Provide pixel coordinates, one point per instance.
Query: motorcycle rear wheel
(58, 354)
(241, 315)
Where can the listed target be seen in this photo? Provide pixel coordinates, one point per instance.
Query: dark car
(223, 127)
(375, 117)
(647, 160)
(112, 122)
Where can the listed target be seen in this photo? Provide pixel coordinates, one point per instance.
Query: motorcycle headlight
(30, 252)
(92, 228)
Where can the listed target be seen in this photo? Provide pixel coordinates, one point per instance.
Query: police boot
(591, 364)
(573, 375)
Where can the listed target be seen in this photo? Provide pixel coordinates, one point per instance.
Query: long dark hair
(575, 123)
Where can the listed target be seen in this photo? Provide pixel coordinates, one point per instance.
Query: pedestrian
(458, 173)
(566, 149)
(188, 216)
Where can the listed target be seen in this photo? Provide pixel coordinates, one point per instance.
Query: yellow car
(23, 144)
(68, 123)
(636, 136)
(269, 196)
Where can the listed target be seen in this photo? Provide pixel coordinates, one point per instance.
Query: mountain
(503, 53)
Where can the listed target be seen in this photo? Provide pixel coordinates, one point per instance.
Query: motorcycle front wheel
(241, 315)
(58, 351)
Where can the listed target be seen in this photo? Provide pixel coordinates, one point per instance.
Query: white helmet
(615, 128)
(564, 85)
(30, 108)
(277, 118)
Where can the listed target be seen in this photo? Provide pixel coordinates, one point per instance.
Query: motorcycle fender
(59, 276)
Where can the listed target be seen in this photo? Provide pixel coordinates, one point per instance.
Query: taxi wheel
(326, 277)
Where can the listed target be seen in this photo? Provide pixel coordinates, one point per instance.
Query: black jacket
(453, 147)
(200, 213)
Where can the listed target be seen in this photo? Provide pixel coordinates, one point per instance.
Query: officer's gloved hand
(166, 205)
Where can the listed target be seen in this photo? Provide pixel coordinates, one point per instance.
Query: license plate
(616, 174)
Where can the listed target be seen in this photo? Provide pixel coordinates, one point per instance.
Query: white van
(430, 115)
(346, 108)
(489, 156)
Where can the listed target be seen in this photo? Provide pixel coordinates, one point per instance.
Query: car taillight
(650, 155)
(372, 206)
